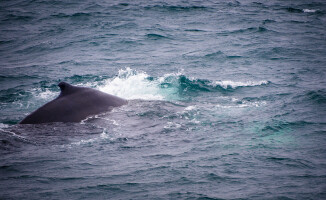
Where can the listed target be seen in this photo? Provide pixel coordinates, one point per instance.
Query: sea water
(226, 99)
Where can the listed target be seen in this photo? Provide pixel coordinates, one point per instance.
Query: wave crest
(131, 84)
(235, 84)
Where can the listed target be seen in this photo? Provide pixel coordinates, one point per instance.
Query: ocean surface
(226, 99)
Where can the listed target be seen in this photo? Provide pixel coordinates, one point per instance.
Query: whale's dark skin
(73, 105)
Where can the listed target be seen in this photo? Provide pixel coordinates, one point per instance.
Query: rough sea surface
(227, 99)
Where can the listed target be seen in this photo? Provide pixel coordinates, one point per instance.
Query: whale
(74, 104)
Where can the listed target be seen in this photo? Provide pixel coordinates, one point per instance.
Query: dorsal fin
(66, 88)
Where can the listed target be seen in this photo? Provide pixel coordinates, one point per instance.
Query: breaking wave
(132, 84)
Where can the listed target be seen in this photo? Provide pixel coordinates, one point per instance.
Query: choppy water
(227, 99)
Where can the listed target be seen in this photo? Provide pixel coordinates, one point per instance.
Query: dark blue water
(227, 99)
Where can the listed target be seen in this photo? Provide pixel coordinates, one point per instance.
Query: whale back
(73, 105)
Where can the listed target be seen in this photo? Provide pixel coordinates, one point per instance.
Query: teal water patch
(272, 134)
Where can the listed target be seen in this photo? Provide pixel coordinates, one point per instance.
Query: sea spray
(131, 84)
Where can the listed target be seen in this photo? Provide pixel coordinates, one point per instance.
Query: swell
(77, 16)
(304, 10)
(17, 18)
(177, 8)
(317, 96)
(250, 30)
(204, 85)
(4, 78)
(154, 36)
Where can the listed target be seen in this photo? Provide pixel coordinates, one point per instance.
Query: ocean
(226, 99)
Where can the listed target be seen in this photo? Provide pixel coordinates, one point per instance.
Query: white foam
(3, 126)
(234, 99)
(244, 105)
(104, 134)
(190, 108)
(235, 84)
(114, 122)
(309, 10)
(47, 94)
(165, 77)
(130, 84)
(171, 125)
